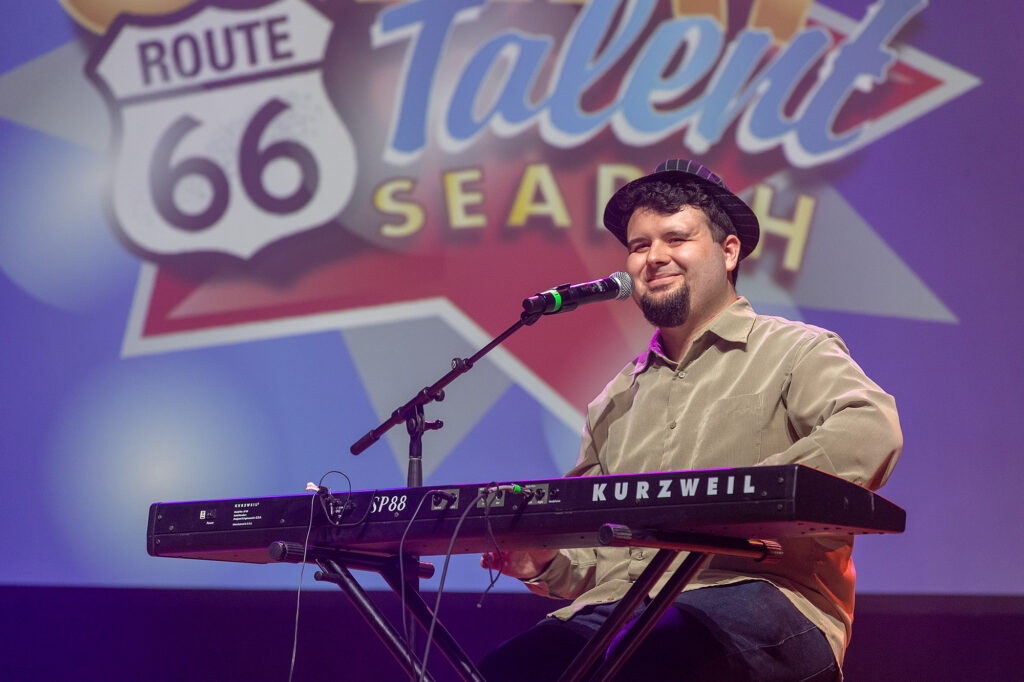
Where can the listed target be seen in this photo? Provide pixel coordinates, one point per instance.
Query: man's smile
(662, 279)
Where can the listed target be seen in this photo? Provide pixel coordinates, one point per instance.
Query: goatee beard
(667, 311)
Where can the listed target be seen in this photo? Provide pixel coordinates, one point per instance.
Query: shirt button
(671, 425)
(680, 374)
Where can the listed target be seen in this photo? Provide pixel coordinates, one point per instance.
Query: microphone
(566, 297)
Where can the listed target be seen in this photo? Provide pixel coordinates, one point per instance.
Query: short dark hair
(667, 198)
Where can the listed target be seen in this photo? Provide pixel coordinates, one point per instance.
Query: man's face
(678, 270)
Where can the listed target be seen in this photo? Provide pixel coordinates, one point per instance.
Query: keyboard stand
(334, 565)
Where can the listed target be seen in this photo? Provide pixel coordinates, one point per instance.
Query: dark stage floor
(129, 634)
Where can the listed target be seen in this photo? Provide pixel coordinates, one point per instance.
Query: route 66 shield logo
(225, 140)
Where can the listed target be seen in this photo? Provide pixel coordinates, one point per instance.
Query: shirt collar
(732, 325)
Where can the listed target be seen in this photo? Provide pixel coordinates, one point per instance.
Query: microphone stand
(412, 412)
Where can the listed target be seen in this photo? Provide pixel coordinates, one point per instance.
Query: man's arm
(845, 424)
(523, 564)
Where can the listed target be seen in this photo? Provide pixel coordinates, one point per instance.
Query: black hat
(678, 171)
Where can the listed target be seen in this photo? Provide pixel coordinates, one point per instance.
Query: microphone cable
(491, 575)
(485, 494)
(302, 571)
(321, 493)
(324, 493)
(444, 574)
(433, 495)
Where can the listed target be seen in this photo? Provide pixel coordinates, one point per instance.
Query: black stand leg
(334, 572)
(647, 620)
(443, 639)
(669, 544)
(623, 611)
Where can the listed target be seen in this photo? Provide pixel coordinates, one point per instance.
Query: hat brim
(743, 219)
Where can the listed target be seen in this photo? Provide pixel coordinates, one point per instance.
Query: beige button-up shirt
(750, 390)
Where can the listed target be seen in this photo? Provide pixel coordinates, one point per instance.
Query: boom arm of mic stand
(436, 391)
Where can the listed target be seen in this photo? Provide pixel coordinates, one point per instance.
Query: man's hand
(521, 564)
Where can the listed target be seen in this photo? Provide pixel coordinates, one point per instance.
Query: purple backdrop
(132, 376)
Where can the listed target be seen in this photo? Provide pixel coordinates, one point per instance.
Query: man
(719, 386)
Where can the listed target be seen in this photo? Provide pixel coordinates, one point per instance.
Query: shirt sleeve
(570, 574)
(844, 423)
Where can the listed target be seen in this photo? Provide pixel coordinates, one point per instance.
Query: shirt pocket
(731, 432)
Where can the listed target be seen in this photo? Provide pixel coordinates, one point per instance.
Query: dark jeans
(743, 631)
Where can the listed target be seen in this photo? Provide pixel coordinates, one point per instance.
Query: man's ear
(731, 248)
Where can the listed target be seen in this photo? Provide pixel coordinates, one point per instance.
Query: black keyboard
(754, 502)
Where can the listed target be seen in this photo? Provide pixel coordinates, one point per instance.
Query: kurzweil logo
(672, 488)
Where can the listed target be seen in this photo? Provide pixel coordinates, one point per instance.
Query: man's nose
(657, 254)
